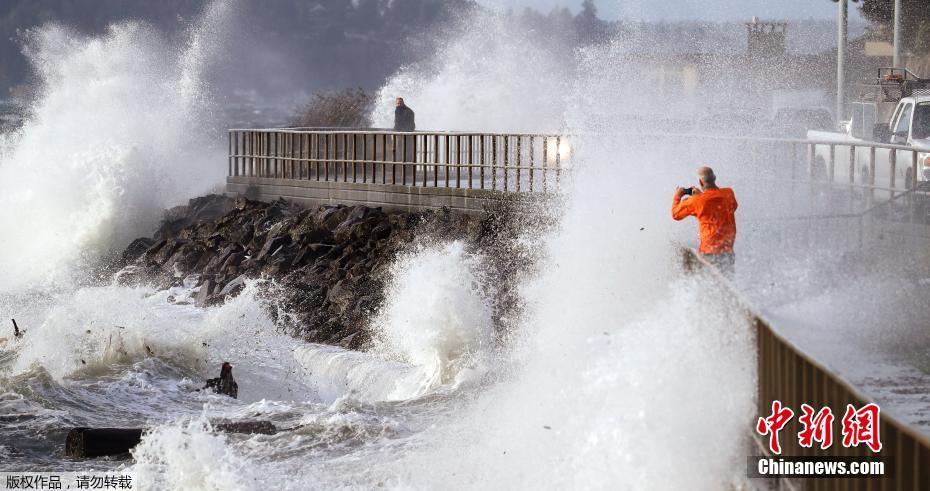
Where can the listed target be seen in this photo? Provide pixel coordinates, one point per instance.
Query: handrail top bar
(332, 131)
(798, 141)
(763, 139)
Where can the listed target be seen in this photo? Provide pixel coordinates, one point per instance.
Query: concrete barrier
(786, 373)
(387, 196)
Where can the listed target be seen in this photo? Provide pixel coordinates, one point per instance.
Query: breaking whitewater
(603, 368)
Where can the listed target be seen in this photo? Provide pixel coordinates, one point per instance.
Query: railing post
(506, 162)
(913, 169)
(558, 162)
(394, 159)
(471, 180)
(871, 175)
(232, 152)
(436, 160)
(458, 161)
(811, 159)
(545, 163)
(852, 164)
(494, 162)
(892, 162)
(519, 159)
(532, 160)
(481, 160)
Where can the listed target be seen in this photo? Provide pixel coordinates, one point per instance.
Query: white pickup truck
(907, 133)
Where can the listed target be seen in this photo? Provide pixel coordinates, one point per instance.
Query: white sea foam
(621, 373)
(118, 132)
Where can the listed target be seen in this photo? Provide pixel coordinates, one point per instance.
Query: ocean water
(619, 373)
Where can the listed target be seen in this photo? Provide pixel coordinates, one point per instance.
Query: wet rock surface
(328, 265)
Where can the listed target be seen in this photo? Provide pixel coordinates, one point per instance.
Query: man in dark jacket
(403, 117)
(403, 121)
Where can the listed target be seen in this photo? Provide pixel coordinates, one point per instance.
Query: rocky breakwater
(327, 266)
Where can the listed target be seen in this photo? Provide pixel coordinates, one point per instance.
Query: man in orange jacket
(715, 209)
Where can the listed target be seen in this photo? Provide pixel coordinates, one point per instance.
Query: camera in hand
(689, 191)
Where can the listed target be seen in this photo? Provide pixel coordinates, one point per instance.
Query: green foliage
(348, 108)
(922, 41)
(914, 16)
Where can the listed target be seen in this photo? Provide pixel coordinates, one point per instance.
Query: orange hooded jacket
(715, 210)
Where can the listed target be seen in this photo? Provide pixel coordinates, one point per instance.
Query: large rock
(328, 264)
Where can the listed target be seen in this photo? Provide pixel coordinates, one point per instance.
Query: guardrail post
(482, 152)
(471, 162)
(852, 164)
(532, 160)
(811, 159)
(892, 162)
(871, 175)
(494, 162)
(436, 161)
(545, 163)
(458, 161)
(519, 159)
(506, 162)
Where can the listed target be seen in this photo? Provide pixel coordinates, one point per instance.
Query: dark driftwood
(100, 442)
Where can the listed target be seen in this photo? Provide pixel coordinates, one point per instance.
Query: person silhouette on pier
(403, 116)
(715, 210)
(225, 383)
(404, 145)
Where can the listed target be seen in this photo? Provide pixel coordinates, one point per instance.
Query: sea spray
(119, 131)
(190, 456)
(489, 72)
(436, 317)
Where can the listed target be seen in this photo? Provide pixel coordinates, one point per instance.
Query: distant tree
(922, 40)
(588, 26)
(915, 14)
(348, 108)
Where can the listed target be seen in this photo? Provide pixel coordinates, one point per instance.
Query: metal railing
(500, 162)
(787, 374)
(860, 164)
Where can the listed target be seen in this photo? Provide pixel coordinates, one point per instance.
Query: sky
(672, 10)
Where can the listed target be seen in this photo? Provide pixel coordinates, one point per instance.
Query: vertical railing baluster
(319, 156)
(506, 162)
(545, 164)
(558, 163)
(232, 152)
(471, 179)
(481, 162)
(417, 159)
(871, 175)
(494, 162)
(892, 162)
(448, 159)
(326, 155)
(519, 159)
(436, 160)
(384, 154)
(458, 161)
(852, 164)
(394, 159)
(532, 159)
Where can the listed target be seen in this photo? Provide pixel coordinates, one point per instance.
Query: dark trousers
(725, 262)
